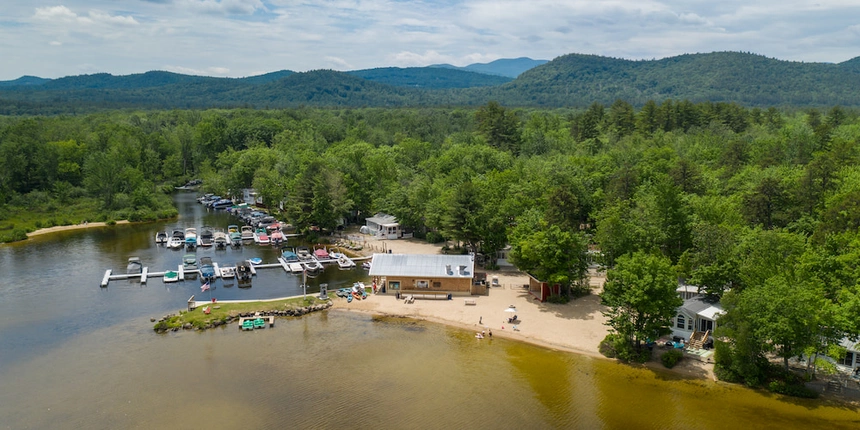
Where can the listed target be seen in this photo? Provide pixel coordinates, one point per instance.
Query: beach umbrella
(511, 308)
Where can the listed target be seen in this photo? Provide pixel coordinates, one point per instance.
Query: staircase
(698, 339)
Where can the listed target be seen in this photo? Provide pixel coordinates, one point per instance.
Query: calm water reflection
(75, 355)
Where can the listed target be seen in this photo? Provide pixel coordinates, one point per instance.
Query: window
(422, 283)
(681, 322)
(394, 285)
(706, 325)
(437, 284)
(848, 360)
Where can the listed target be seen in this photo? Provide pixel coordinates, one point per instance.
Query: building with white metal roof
(424, 273)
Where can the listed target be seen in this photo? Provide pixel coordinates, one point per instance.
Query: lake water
(74, 355)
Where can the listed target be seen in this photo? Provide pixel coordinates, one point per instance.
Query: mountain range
(573, 80)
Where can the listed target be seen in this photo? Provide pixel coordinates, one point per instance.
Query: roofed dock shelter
(425, 274)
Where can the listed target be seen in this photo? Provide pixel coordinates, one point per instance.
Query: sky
(236, 38)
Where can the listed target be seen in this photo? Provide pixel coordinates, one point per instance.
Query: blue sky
(248, 37)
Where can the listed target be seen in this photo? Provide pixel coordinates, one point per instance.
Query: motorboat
(304, 253)
(289, 256)
(134, 266)
(177, 239)
(228, 271)
(261, 237)
(170, 276)
(255, 261)
(236, 239)
(190, 238)
(232, 228)
(189, 262)
(277, 237)
(312, 265)
(365, 265)
(220, 240)
(221, 204)
(345, 262)
(207, 269)
(207, 237)
(243, 274)
(247, 232)
(321, 254)
(161, 237)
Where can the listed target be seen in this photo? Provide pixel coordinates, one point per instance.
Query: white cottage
(696, 320)
(383, 226)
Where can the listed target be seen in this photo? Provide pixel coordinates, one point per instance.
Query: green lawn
(224, 311)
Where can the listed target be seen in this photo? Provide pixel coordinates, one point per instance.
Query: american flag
(205, 286)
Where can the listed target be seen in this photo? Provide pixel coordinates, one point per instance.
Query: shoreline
(576, 327)
(58, 228)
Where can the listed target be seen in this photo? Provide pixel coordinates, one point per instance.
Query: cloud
(246, 36)
(338, 63)
(62, 14)
(209, 71)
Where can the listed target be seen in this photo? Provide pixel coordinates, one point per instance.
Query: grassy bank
(28, 215)
(223, 313)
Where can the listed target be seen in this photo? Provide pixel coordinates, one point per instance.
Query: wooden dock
(217, 270)
(253, 269)
(181, 272)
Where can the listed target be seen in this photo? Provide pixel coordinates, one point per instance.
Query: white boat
(170, 276)
(261, 236)
(345, 262)
(161, 237)
(134, 266)
(221, 240)
(304, 253)
(247, 232)
(277, 237)
(190, 238)
(228, 271)
(312, 265)
(177, 240)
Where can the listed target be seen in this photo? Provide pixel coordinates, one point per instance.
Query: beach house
(696, 319)
(383, 226)
(426, 275)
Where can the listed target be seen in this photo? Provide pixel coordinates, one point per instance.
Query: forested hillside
(571, 81)
(757, 207)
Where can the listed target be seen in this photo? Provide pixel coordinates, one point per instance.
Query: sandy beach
(576, 327)
(55, 229)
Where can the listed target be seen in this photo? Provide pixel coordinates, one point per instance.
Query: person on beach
(480, 320)
(490, 333)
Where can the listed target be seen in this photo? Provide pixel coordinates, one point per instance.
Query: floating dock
(145, 273)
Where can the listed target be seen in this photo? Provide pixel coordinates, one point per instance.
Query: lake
(74, 355)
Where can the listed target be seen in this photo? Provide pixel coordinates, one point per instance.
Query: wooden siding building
(410, 274)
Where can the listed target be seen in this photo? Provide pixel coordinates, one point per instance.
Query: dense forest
(758, 207)
(570, 81)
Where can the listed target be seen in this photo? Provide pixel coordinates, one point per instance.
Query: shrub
(560, 299)
(110, 222)
(671, 357)
(792, 389)
(38, 223)
(434, 237)
(725, 374)
(615, 345)
(13, 236)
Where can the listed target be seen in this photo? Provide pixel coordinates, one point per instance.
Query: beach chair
(512, 319)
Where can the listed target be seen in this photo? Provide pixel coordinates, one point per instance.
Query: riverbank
(80, 226)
